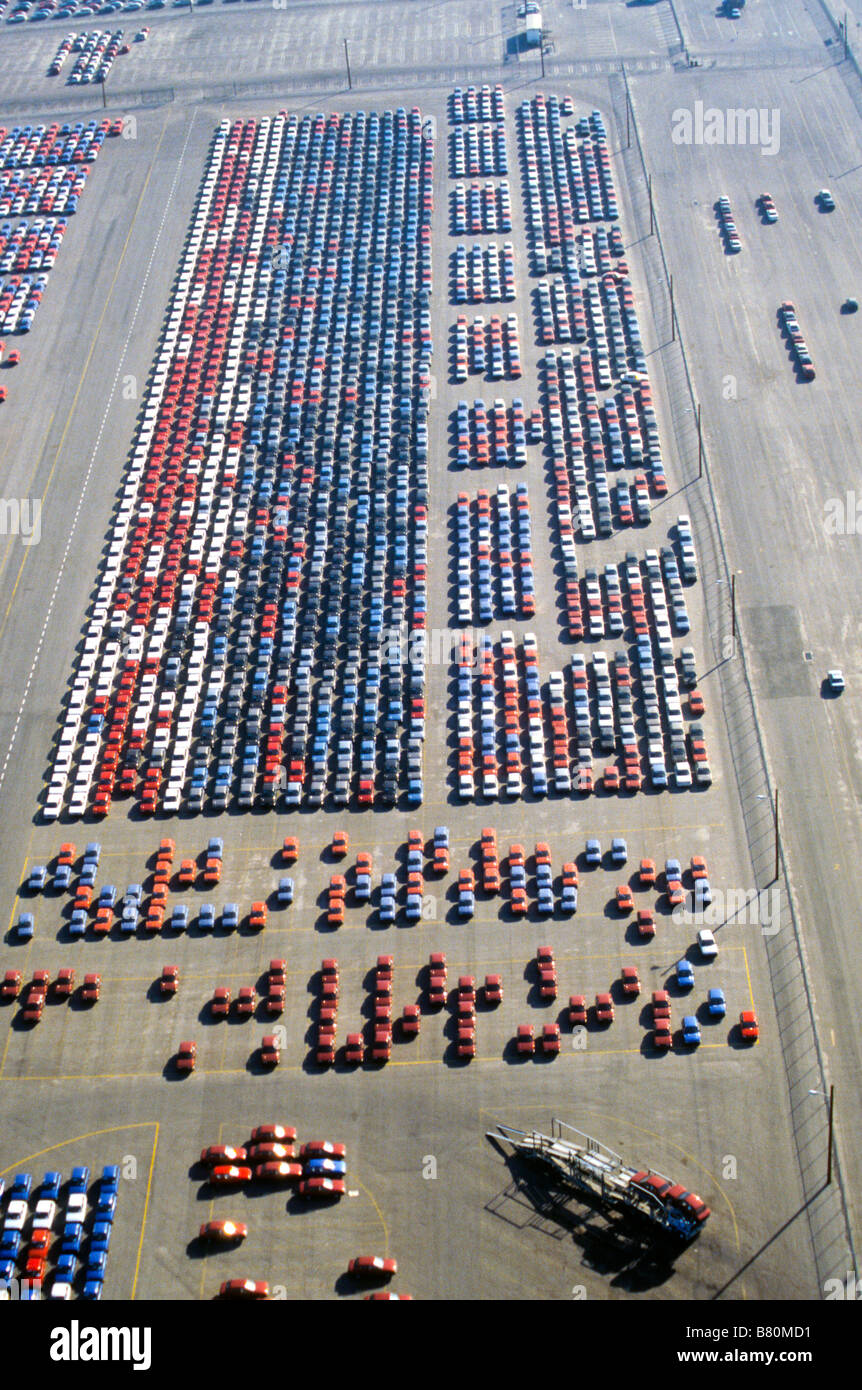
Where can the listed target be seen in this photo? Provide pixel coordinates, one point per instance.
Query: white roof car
(706, 943)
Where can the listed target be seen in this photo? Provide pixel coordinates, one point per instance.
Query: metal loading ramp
(578, 1161)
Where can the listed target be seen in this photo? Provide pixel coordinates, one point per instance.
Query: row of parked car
(478, 150)
(567, 180)
(29, 1240)
(504, 724)
(293, 377)
(483, 273)
(96, 57)
(55, 190)
(798, 346)
(318, 1167)
(577, 426)
(495, 564)
(32, 246)
(481, 208)
(477, 104)
(26, 147)
(727, 226)
(491, 436)
(493, 348)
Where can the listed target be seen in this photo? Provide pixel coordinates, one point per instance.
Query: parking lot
(170, 375)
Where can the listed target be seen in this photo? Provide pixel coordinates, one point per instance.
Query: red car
(322, 1187)
(270, 1050)
(411, 1020)
(493, 990)
(604, 1008)
(322, 1148)
(244, 1288)
(748, 1026)
(217, 1154)
(550, 1039)
(577, 1010)
(92, 988)
(65, 982)
(220, 1001)
(11, 984)
(645, 922)
(228, 1174)
(169, 979)
(526, 1042)
(246, 1000)
(187, 1056)
(223, 1230)
(279, 1134)
(630, 980)
(372, 1267)
(279, 1172)
(271, 1153)
(625, 901)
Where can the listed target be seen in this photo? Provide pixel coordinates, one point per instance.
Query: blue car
(94, 1286)
(684, 974)
(230, 917)
(619, 850)
(594, 852)
(51, 1186)
(285, 891)
(716, 1003)
(38, 875)
(80, 1179)
(24, 927)
(180, 918)
(22, 1186)
(690, 1030)
(331, 1167)
(206, 917)
(73, 1233)
(65, 1269)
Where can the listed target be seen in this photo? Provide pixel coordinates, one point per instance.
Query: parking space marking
(146, 1208)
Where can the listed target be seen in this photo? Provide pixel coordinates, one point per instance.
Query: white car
(16, 1215)
(836, 680)
(46, 1211)
(706, 943)
(76, 1207)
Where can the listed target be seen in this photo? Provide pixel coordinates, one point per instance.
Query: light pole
(830, 1096)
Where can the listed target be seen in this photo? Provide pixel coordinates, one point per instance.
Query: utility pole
(347, 61)
(672, 314)
(651, 213)
(699, 444)
(831, 1128)
(778, 847)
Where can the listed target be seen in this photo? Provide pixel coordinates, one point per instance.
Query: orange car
(289, 849)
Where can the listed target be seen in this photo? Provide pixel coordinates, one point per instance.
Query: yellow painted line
(84, 370)
(747, 974)
(376, 1205)
(146, 1208)
(366, 1066)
